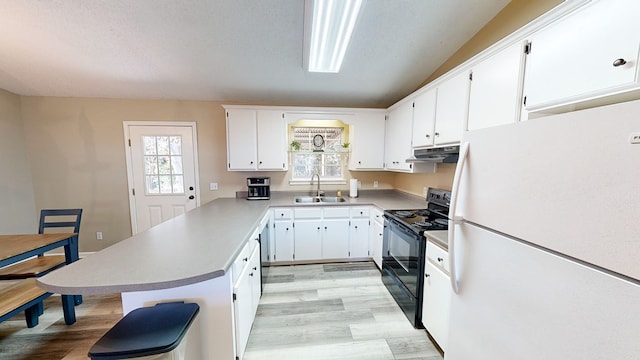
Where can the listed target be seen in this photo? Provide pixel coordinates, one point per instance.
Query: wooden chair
(40, 265)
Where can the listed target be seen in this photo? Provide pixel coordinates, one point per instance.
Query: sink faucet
(312, 177)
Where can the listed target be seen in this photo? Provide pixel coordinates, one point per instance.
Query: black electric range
(403, 253)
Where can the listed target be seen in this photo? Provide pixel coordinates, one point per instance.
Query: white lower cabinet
(376, 233)
(282, 234)
(436, 294)
(246, 296)
(335, 240)
(307, 239)
(321, 233)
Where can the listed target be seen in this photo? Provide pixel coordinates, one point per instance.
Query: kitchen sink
(332, 199)
(316, 199)
(307, 199)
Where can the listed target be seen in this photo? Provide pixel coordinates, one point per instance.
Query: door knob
(191, 197)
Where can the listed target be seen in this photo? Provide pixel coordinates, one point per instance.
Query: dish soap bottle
(339, 194)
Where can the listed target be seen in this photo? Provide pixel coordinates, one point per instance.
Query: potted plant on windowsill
(345, 147)
(295, 145)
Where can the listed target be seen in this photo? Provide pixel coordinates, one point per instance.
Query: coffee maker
(259, 188)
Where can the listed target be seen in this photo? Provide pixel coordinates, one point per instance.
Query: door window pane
(163, 165)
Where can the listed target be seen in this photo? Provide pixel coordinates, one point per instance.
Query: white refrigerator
(545, 241)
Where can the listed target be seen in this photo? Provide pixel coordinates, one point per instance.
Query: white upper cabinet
(424, 118)
(452, 109)
(256, 140)
(591, 53)
(398, 137)
(242, 145)
(366, 136)
(272, 140)
(495, 95)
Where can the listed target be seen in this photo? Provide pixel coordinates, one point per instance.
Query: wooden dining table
(14, 248)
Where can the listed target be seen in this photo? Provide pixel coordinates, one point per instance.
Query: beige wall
(77, 150)
(17, 207)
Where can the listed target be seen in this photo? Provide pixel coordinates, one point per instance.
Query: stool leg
(40, 308)
(68, 307)
(31, 315)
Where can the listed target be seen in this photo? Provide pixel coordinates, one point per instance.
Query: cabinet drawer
(360, 212)
(376, 215)
(282, 214)
(308, 213)
(242, 260)
(336, 212)
(438, 256)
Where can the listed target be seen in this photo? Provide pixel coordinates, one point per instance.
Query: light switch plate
(213, 186)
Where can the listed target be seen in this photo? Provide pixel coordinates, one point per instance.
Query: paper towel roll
(353, 188)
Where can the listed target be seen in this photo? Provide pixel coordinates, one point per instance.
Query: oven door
(402, 255)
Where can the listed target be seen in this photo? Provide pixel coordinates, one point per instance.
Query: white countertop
(440, 237)
(190, 248)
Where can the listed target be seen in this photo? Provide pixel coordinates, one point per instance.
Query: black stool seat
(146, 331)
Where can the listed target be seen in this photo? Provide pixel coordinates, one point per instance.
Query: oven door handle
(402, 228)
(454, 218)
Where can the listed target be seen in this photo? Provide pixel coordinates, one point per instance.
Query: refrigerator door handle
(453, 217)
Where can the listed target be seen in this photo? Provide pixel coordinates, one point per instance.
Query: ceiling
(228, 50)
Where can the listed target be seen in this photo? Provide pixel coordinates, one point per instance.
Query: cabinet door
(495, 94)
(573, 58)
(272, 147)
(435, 304)
(452, 109)
(283, 240)
(398, 138)
(256, 281)
(308, 240)
(243, 311)
(376, 235)
(241, 139)
(359, 238)
(424, 118)
(335, 239)
(367, 137)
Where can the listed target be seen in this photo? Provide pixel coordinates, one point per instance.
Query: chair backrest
(46, 220)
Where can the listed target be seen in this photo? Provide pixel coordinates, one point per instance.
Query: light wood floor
(333, 311)
(330, 311)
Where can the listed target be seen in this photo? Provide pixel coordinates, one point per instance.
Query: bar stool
(148, 333)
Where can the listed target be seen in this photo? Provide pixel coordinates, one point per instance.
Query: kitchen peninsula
(190, 258)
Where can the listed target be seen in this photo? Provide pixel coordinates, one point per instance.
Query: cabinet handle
(437, 134)
(191, 197)
(318, 227)
(255, 268)
(427, 136)
(250, 274)
(260, 163)
(360, 162)
(245, 259)
(619, 62)
(251, 163)
(325, 228)
(427, 275)
(287, 229)
(440, 259)
(356, 226)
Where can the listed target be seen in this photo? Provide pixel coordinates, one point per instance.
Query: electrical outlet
(99, 235)
(424, 191)
(375, 184)
(634, 138)
(359, 184)
(213, 186)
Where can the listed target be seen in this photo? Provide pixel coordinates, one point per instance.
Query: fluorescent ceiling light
(332, 23)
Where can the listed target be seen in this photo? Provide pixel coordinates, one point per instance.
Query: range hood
(446, 154)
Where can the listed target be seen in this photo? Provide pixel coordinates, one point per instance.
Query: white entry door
(162, 172)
